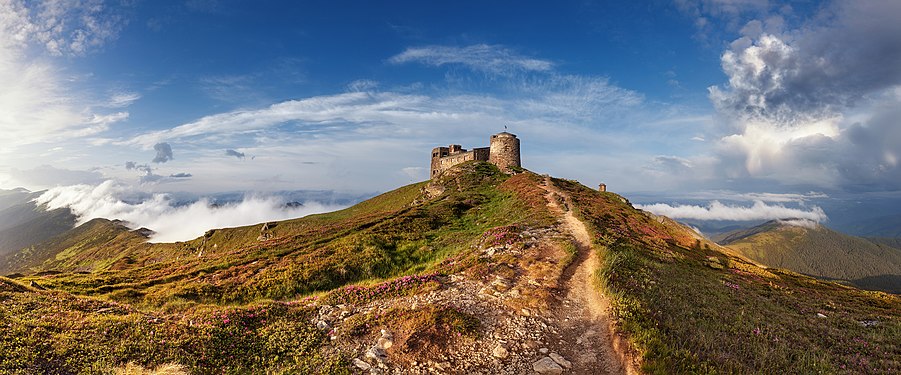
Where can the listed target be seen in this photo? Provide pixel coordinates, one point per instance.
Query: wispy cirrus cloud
(485, 58)
(122, 99)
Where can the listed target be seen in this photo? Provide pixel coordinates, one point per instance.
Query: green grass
(52, 332)
(687, 317)
(824, 253)
(241, 306)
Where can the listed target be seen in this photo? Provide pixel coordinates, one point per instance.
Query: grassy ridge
(690, 308)
(208, 304)
(821, 252)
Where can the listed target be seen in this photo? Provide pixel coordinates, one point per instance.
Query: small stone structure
(602, 187)
(503, 151)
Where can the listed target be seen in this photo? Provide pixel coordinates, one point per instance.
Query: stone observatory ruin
(503, 151)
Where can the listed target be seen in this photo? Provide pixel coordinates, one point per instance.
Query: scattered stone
(35, 285)
(820, 315)
(500, 352)
(561, 361)
(525, 312)
(386, 341)
(322, 325)
(500, 284)
(376, 353)
(547, 365)
(543, 350)
(362, 365)
(869, 323)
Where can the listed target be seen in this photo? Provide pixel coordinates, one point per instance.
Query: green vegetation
(692, 309)
(245, 299)
(240, 299)
(53, 332)
(822, 253)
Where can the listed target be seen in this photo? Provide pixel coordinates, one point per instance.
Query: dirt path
(583, 314)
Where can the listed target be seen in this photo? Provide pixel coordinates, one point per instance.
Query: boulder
(500, 352)
(561, 361)
(362, 365)
(547, 365)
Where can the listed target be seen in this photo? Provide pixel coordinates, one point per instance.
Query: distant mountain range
(888, 226)
(815, 250)
(23, 223)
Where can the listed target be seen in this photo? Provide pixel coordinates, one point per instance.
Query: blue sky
(701, 99)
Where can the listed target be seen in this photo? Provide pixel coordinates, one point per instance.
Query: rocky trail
(586, 332)
(571, 334)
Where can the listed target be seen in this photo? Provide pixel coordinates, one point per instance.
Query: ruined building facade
(503, 151)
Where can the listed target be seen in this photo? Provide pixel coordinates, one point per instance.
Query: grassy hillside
(184, 302)
(42, 227)
(23, 223)
(691, 308)
(821, 252)
(97, 244)
(240, 300)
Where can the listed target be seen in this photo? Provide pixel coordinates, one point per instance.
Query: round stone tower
(504, 151)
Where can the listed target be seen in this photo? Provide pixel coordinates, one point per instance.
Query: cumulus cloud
(719, 211)
(230, 152)
(163, 152)
(816, 104)
(492, 59)
(170, 221)
(181, 175)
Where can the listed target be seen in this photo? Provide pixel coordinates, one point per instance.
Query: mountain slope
(471, 271)
(820, 252)
(23, 223)
(694, 308)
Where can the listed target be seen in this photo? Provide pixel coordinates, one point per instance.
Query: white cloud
(803, 223)
(718, 211)
(46, 176)
(813, 105)
(74, 27)
(123, 99)
(362, 85)
(36, 103)
(171, 222)
(492, 59)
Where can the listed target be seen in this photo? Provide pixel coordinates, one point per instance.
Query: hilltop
(475, 270)
(818, 251)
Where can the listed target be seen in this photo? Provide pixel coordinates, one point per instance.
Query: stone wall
(503, 152)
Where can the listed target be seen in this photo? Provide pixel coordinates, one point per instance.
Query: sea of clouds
(170, 219)
(716, 210)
